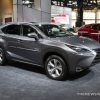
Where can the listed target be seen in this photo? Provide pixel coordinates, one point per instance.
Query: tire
(56, 67)
(2, 57)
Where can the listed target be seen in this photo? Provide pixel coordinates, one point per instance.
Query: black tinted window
(27, 29)
(96, 27)
(12, 29)
(4, 30)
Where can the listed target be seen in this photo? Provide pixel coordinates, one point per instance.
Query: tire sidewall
(3, 57)
(64, 67)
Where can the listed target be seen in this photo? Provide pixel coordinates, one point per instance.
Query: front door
(30, 47)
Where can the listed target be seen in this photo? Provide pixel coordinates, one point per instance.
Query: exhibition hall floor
(19, 81)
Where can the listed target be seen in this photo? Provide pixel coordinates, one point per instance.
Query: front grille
(97, 58)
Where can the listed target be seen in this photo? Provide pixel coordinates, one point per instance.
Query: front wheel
(2, 57)
(56, 67)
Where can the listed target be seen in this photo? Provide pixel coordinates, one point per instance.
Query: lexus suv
(91, 31)
(49, 46)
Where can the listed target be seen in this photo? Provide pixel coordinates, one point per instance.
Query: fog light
(79, 69)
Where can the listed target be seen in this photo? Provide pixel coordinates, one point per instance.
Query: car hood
(79, 41)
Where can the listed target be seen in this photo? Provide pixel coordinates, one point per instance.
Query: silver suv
(49, 46)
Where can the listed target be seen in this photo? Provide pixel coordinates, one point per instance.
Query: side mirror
(33, 35)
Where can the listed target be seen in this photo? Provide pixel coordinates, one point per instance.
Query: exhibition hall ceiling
(87, 4)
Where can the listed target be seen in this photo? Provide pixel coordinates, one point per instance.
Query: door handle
(19, 41)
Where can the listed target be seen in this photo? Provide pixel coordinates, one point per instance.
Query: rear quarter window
(3, 29)
(12, 29)
(96, 27)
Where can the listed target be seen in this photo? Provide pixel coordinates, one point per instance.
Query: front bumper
(97, 58)
(79, 62)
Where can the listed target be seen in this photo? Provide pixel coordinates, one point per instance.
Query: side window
(43, 28)
(96, 27)
(27, 29)
(99, 27)
(12, 29)
(4, 29)
(54, 30)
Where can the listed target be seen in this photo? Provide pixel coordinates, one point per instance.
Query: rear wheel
(2, 57)
(56, 67)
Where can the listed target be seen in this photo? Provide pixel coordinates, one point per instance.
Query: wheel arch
(54, 53)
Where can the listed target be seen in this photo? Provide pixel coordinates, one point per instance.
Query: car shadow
(41, 70)
(79, 75)
(27, 67)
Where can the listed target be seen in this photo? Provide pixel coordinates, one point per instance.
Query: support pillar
(0, 12)
(79, 21)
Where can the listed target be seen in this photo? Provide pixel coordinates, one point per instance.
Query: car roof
(41, 23)
(30, 23)
(11, 23)
(92, 24)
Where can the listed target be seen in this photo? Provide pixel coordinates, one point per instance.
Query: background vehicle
(91, 31)
(71, 30)
(49, 46)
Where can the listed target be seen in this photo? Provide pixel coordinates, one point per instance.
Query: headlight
(82, 50)
(78, 49)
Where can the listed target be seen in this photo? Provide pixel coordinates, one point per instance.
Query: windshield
(53, 30)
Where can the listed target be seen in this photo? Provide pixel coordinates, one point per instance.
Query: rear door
(12, 39)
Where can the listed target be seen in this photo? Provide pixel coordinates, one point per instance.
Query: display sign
(61, 16)
(60, 19)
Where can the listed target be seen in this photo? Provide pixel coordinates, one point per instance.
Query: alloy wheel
(54, 68)
(1, 56)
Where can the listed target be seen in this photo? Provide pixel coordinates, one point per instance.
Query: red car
(91, 31)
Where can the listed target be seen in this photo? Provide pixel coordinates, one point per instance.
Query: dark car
(49, 46)
(91, 31)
